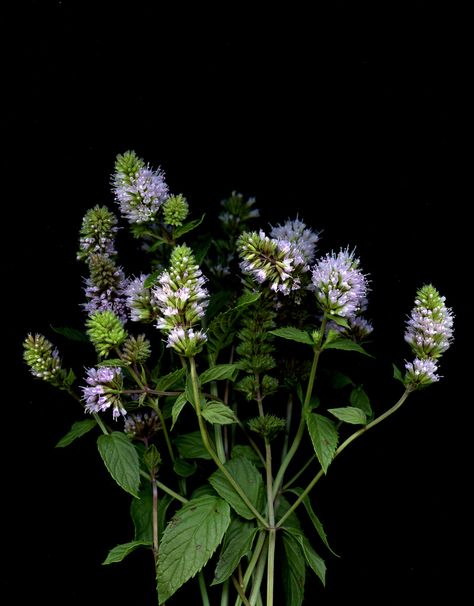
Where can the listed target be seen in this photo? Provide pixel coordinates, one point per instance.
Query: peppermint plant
(205, 386)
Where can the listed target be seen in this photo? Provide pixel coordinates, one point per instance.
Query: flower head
(430, 327)
(142, 426)
(139, 190)
(97, 233)
(106, 331)
(175, 210)
(421, 372)
(339, 285)
(297, 234)
(102, 390)
(106, 287)
(42, 358)
(140, 301)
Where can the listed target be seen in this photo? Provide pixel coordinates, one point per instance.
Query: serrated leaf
(294, 570)
(73, 334)
(187, 227)
(248, 298)
(360, 399)
(78, 429)
(340, 321)
(121, 459)
(349, 414)
(184, 469)
(118, 553)
(141, 512)
(219, 413)
(397, 374)
(220, 372)
(237, 542)
(314, 518)
(249, 479)
(314, 561)
(242, 450)
(166, 382)
(178, 407)
(346, 345)
(164, 502)
(324, 437)
(293, 334)
(190, 446)
(188, 542)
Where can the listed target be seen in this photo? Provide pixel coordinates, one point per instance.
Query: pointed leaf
(121, 459)
(170, 380)
(340, 380)
(237, 543)
(182, 468)
(118, 553)
(78, 429)
(187, 227)
(313, 517)
(219, 413)
(141, 512)
(219, 372)
(293, 334)
(190, 446)
(188, 542)
(346, 345)
(249, 479)
(178, 406)
(360, 399)
(71, 333)
(324, 437)
(242, 450)
(114, 362)
(248, 298)
(397, 374)
(294, 570)
(311, 557)
(349, 414)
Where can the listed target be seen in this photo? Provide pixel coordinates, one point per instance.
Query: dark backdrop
(355, 119)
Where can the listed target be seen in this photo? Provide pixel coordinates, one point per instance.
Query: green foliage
(190, 446)
(189, 540)
(121, 459)
(218, 413)
(349, 414)
(345, 345)
(324, 437)
(78, 429)
(293, 334)
(221, 372)
(294, 570)
(118, 553)
(237, 543)
(141, 512)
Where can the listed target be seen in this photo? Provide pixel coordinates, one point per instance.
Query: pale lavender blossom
(109, 293)
(299, 236)
(186, 341)
(339, 285)
(140, 301)
(101, 393)
(141, 195)
(421, 372)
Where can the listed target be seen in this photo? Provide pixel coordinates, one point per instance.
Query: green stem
(344, 445)
(100, 423)
(242, 597)
(271, 522)
(156, 545)
(210, 450)
(203, 589)
(257, 580)
(289, 414)
(225, 593)
(298, 473)
(164, 488)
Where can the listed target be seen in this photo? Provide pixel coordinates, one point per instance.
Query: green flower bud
(268, 426)
(97, 233)
(44, 362)
(175, 210)
(136, 349)
(105, 331)
(128, 164)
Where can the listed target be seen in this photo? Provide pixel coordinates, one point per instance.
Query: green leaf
(314, 561)
(293, 334)
(397, 374)
(217, 412)
(324, 437)
(78, 429)
(141, 512)
(178, 406)
(340, 321)
(339, 379)
(242, 450)
(349, 414)
(150, 281)
(114, 362)
(200, 250)
(294, 570)
(314, 518)
(188, 542)
(346, 345)
(190, 446)
(118, 553)
(187, 227)
(219, 372)
(164, 502)
(71, 333)
(166, 382)
(360, 399)
(121, 459)
(184, 469)
(237, 543)
(249, 479)
(248, 298)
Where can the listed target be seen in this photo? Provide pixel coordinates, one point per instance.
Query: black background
(356, 119)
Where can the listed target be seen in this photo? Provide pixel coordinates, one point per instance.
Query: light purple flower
(106, 288)
(421, 372)
(299, 236)
(103, 383)
(141, 195)
(140, 301)
(339, 285)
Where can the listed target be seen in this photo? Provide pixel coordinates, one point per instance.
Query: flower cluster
(175, 210)
(299, 236)
(182, 300)
(237, 212)
(142, 426)
(139, 190)
(140, 301)
(429, 332)
(339, 285)
(97, 233)
(106, 331)
(265, 259)
(106, 288)
(103, 390)
(42, 358)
